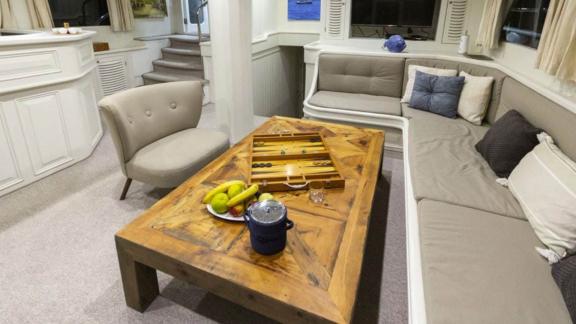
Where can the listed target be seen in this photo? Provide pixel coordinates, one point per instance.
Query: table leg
(139, 281)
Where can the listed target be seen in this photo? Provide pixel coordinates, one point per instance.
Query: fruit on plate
(265, 196)
(250, 201)
(237, 210)
(235, 190)
(243, 196)
(220, 189)
(219, 203)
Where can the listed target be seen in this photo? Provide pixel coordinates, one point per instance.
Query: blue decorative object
(395, 44)
(304, 9)
(437, 94)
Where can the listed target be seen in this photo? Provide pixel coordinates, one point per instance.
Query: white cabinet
(10, 174)
(49, 117)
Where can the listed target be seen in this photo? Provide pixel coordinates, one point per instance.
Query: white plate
(227, 216)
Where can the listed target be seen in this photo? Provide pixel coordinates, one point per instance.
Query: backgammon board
(284, 162)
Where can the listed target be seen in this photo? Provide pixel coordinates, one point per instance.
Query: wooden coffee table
(315, 279)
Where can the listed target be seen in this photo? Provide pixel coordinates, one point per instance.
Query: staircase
(180, 62)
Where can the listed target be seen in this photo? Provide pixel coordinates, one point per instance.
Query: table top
(317, 275)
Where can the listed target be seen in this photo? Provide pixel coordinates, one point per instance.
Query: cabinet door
(9, 170)
(114, 74)
(45, 131)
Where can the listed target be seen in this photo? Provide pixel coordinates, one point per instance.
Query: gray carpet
(58, 261)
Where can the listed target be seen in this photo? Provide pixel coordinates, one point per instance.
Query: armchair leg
(126, 187)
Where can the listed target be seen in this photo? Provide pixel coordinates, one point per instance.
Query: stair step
(182, 51)
(156, 77)
(179, 65)
(185, 38)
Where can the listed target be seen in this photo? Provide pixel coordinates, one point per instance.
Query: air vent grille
(335, 19)
(113, 75)
(455, 21)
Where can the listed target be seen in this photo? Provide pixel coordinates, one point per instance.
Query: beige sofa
(471, 254)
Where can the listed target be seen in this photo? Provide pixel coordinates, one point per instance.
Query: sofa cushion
(373, 75)
(437, 94)
(541, 112)
(507, 142)
(169, 161)
(357, 102)
(411, 78)
(480, 267)
(445, 166)
(472, 69)
(475, 97)
(545, 185)
(564, 273)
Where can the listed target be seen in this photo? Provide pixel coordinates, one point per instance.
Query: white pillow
(544, 183)
(475, 97)
(412, 77)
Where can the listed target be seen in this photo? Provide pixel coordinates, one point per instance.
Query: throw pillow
(544, 183)
(564, 273)
(437, 94)
(475, 97)
(412, 77)
(508, 140)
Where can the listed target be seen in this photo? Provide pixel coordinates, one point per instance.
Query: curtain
(121, 15)
(557, 48)
(7, 19)
(40, 14)
(493, 17)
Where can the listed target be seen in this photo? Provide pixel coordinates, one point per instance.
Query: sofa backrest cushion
(373, 75)
(540, 112)
(472, 69)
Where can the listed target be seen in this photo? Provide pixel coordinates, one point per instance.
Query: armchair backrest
(141, 116)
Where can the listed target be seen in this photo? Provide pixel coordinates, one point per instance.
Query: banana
(246, 194)
(221, 188)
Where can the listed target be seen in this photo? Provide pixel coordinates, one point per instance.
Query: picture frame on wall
(304, 9)
(149, 8)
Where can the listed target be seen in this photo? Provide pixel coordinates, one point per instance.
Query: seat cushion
(445, 166)
(169, 161)
(357, 102)
(480, 267)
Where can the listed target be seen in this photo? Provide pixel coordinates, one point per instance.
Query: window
(193, 6)
(79, 12)
(524, 22)
(413, 19)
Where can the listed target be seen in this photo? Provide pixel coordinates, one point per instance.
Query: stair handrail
(198, 10)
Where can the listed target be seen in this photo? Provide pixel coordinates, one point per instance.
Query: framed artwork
(149, 8)
(304, 9)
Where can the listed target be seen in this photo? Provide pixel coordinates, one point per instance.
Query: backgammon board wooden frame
(292, 161)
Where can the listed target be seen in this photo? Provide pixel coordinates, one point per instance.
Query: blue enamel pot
(268, 223)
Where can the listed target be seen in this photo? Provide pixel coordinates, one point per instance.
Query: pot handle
(302, 186)
(289, 224)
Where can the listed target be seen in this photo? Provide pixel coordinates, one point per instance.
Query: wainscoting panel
(86, 53)
(276, 74)
(47, 135)
(10, 174)
(20, 65)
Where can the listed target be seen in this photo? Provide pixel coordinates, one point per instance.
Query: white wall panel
(276, 82)
(21, 65)
(9, 170)
(47, 135)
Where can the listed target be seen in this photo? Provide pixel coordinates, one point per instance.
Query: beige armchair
(154, 131)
